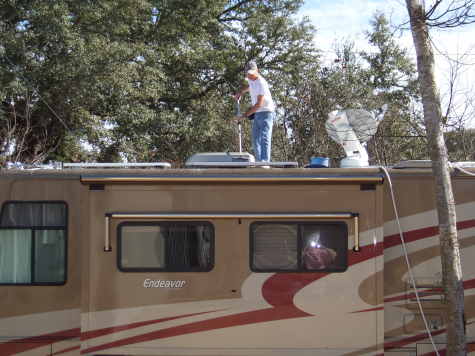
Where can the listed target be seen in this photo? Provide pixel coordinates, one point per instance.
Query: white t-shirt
(260, 87)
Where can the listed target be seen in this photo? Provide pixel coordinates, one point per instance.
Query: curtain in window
(49, 258)
(15, 256)
(33, 214)
(204, 245)
(179, 254)
(188, 246)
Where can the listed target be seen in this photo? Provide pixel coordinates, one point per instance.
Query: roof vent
(231, 160)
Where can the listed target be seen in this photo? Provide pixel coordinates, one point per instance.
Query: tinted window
(275, 246)
(28, 214)
(166, 246)
(33, 243)
(299, 247)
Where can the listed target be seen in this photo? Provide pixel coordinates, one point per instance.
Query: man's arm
(244, 89)
(252, 109)
(255, 107)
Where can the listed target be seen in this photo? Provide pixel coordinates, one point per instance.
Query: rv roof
(414, 164)
(241, 164)
(74, 173)
(53, 165)
(118, 165)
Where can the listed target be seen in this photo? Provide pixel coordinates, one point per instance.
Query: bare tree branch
(456, 13)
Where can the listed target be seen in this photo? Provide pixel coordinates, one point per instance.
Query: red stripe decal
(13, 347)
(66, 350)
(279, 291)
(427, 293)
(367, 310)
(404, 342)
(396, 344)
(470, 284)
(410, 236)
(101, 332)
(252, 317)
(418, 234)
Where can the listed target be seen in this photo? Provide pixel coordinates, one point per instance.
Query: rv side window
(33, 243)
(305, 247)
(165, 246)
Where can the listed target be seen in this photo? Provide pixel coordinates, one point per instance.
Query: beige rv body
(367, 309)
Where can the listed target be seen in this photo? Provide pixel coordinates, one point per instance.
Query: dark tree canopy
(143, 80)
(151, 80)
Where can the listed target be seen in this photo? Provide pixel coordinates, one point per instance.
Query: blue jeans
(262, 135)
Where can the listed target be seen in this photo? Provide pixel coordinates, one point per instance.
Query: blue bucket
(319, 162)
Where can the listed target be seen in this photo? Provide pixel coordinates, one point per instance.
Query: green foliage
(150, 80)
(142, 80)
(461, 144)
(391, 77)
(367, 80)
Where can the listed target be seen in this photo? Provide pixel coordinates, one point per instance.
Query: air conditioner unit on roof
(232, 160)
(216, 158)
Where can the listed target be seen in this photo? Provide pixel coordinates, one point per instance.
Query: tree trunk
(449, 245)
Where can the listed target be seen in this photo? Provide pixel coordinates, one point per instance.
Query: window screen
(33, 243)
(294, 246)
(166, 246)
(275, 246)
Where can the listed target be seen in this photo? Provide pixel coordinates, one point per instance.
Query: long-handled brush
(238, 114)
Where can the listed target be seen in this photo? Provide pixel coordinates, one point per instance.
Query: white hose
(409, 268)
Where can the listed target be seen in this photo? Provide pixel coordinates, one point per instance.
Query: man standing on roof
(262, 112)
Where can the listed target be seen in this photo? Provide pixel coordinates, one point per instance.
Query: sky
(337, 20)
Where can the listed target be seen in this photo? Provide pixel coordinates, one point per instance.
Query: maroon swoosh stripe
(278, 300)
(13, 347)
(66, 350)
(427, 292)
(105, 331)
(410, 236)
(399, 343)
(418, 234)
(367, 310)
(469, 284)
(279, 291)
(396, 344)
(252, 317)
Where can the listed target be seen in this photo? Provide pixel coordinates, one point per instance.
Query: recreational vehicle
(227, 261)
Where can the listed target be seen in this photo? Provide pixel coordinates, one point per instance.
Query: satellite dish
(350, 128)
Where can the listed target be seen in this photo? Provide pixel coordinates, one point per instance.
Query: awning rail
(232, 179)
(207, 216)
